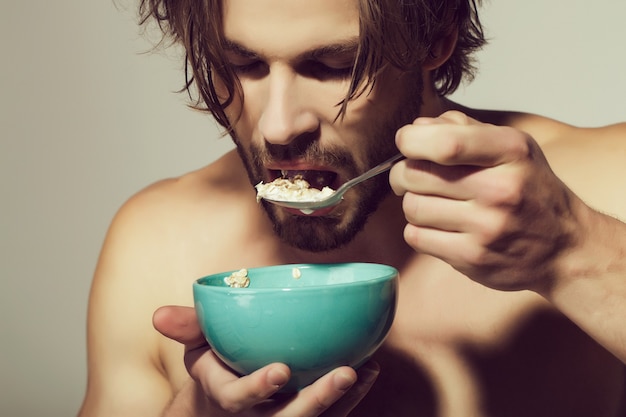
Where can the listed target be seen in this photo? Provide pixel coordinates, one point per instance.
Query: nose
(287, 111)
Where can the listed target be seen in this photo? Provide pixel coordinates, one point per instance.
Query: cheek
(375, 105)
(365, 119)
(221, 87)
(244, 112)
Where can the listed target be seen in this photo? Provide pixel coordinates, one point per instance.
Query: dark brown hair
(401, 33)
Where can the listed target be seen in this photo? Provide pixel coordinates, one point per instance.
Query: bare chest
(459, 349)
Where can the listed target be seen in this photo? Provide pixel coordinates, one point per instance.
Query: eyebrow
(239, 49)
(348, 46)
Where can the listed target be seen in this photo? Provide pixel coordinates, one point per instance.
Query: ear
(441, 51)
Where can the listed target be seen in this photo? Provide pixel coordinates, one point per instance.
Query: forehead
(287, 27)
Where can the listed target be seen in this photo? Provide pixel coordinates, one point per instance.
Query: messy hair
(401, 33)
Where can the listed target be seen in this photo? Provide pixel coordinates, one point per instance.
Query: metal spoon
(335, 198)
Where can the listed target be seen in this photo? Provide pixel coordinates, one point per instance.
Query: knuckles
(457, 117)
(519, 145)
(505, 190)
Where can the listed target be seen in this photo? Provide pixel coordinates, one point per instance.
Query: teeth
(317, 179)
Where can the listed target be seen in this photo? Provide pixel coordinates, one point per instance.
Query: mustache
(312, 152)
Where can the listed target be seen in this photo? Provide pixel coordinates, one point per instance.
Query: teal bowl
(311, 317)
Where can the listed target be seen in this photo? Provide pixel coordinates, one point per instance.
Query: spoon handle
(382, 167)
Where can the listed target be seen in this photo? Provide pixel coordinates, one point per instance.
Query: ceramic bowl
(312, 317)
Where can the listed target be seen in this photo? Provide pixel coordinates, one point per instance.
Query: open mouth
(316, 179)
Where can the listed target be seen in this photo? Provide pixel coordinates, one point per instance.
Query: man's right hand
(217, 391)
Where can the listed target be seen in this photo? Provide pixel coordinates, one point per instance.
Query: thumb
(180, 324)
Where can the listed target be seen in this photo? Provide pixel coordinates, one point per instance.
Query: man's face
(294, 60)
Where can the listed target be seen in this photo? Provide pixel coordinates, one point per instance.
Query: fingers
(454, 248)
(455, 139)
(458, 158)
(366, 377)
(236, 394)
(220, 384)
(336, 393)
(318, 397)
(227, 393)
(438, 213)
(429, 178)
(181, 324)
(474, 196)
(333, 395)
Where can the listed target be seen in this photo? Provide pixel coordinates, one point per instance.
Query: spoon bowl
(309, 206)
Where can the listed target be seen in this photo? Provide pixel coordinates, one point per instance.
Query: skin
(512, 287)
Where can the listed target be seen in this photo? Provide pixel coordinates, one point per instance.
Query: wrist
(593, 259)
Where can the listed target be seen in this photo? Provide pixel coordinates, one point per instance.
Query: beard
(345, 221)
(336, 229)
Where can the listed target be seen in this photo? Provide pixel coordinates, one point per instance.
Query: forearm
(591, 285)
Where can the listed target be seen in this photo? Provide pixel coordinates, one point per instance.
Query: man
(498, 257)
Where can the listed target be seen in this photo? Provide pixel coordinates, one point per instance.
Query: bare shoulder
(222, 179)
(589, 160)
(179, 216)
(159, 241)
(547, 131)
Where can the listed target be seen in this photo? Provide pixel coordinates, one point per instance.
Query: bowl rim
(390, 275)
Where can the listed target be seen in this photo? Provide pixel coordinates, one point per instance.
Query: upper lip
(296, 165)
(275, 170)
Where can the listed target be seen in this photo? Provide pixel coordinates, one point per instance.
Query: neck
(433, 104)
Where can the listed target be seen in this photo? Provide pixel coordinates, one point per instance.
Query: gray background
(87, 118)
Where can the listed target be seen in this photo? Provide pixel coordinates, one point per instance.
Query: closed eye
(250, 69)
(322, 71)
(333, 62)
